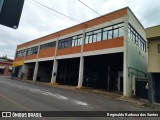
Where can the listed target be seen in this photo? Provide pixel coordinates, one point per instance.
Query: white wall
(137, 26)
(136, 57)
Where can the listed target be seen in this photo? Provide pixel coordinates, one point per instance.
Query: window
(89, 37)
(113, 31)
(136, 38)
(119, 31)
(93, 36)
(20, 53)
(110, 34)
(105, 35)
(158, 48)
(65, 43)
(79, 40)
(70, 42)
(97, 35)
(48, 45)
(33, 50)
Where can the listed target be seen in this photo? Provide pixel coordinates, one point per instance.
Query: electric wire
(56, 11)
(64, 15)
(104, 18)
(77, 20)
(99, 13)
(50, 13)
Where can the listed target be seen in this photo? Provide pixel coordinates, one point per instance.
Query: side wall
(153, 56)
(137, 58)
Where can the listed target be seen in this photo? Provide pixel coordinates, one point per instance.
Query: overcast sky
(37, 21)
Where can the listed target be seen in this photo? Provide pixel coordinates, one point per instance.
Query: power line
(95, 11)
(48, 12)
(61, 14)
(102, 16)
(56, 11)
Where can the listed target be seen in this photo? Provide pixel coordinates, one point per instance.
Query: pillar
(133, 84)
(24, 72)
(119, 82)
(151, 92)
(81, 69)
(126, 80)
(35, 71)
(54, 71)
(81, 65)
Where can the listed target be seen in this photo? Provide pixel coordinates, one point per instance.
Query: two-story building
(5, 66)
(153, 37)
(108, 52)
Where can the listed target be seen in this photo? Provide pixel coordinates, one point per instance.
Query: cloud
(37, 21)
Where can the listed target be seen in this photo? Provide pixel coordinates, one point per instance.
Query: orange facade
(66, 51)
(18, 59)
(48, 52)
(111, 16)
(30, 57)
(105, 44)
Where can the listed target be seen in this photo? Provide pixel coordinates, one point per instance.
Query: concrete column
(126, 88)
(25, 70)
(133, 84)
(35, 71)
(36, 65)
(151, 92)
(81, 68)
(54, 71)
(81, 65)
(119, 82)
(55, 64)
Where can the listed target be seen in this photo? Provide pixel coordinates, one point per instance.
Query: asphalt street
(19, 95)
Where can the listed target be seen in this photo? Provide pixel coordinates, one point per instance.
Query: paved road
(17, 95)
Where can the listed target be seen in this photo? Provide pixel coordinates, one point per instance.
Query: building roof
(153, 32)
(4, 61)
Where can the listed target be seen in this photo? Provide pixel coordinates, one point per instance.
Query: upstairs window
(20, 53)
(48, 45)
(33, 50)
(136, 38)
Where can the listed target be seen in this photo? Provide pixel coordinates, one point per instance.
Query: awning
(18, 63)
